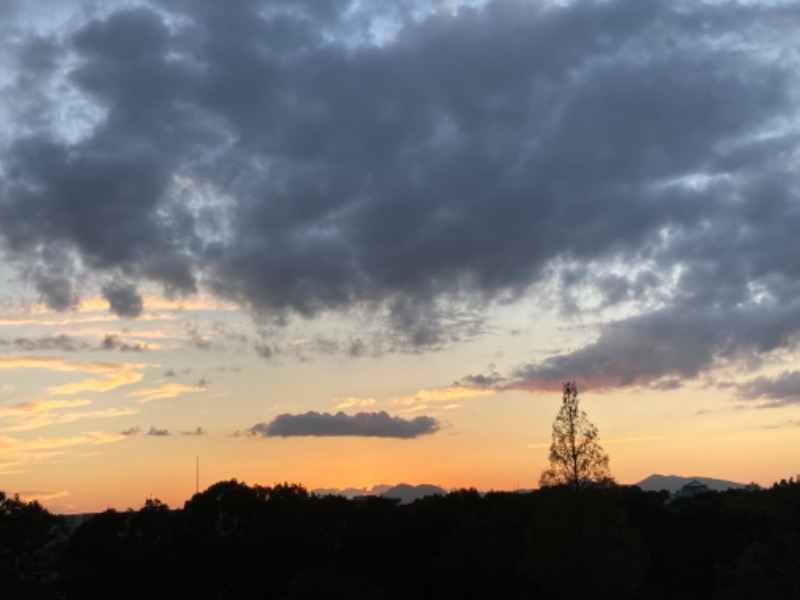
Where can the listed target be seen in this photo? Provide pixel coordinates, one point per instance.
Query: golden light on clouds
(199, 302)
(13, 468)
(91, 317)
(41, 496)
(96, 414)
(40, 406)
(58, 364)
(34, 415)
(444, 398)
(26, 422)
(165, 390)
(117, 374)
(99, 384)
(13, 322)
(41, 413)
(353, 402)
(443, 394)
(89, 438)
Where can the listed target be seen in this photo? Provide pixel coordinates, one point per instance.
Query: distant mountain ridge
(408, 493)
(672, 483)
(350, 493)
(402, 491)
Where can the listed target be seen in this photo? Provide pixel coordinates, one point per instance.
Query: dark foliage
(29, 548)
(240, 541)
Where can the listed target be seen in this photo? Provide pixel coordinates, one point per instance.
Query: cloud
(97, 414)
(785, 425)
(659, 347)
(595, 155)
(123, 299)
(352, 402)
(40, 413)
(441, 397)
(198, 340)
(115, 374)
(483, 382)
(58, 364)
(667, 384)
(265, 351)
(771, 392)
(444, 395)
(131, 431)
(99, 384)
(377, 424)
(41, 406)
(41, 495)
(165, 390)
(158, 432)
(57, 293)
(10, 445)
(113, 342)
(62, 343)
(35, 414)
(198, 431)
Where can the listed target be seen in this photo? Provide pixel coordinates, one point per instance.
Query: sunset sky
(353, 243)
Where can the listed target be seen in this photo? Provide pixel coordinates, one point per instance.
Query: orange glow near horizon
(132, 428)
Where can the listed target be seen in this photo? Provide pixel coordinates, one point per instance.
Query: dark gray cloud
(131, 431)
(493, 380)
(57, 292)
(376, 424)
(661, 347)
(637, 153)
(112, 341)
(415, 329)
(62, 343)
(123, 299)
(667, 384)
(266, 351)
(158, 432)
(781, 390)
(214, 337)
(175, 272)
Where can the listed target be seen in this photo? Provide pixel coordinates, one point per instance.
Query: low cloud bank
(363, 424)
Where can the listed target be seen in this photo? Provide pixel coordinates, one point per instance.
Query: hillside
(408, 493)
(672, 483)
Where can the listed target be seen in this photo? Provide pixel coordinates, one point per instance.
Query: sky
(358, 243)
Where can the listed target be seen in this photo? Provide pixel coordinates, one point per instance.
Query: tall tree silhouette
(578, 529)
(576, 457)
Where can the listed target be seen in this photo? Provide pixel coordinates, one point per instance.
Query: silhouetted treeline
(31, 544)
(238, 541)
